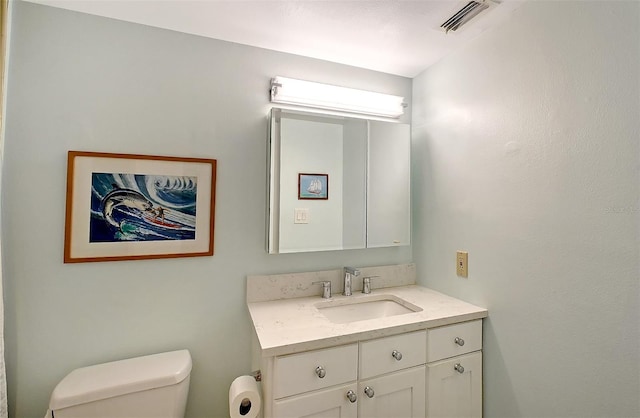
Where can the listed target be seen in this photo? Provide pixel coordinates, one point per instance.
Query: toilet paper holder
(256, 374)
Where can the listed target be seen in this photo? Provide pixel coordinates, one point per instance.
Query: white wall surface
(79, 82)
(526, 154)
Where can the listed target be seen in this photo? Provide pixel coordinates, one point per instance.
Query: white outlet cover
(301, 216)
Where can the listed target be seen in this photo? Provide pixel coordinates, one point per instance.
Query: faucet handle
(366, 284)
(351, 270)
(326, 288)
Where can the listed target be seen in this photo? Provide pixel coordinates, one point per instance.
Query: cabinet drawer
(296, 373)
(441, 342)
(376, 356)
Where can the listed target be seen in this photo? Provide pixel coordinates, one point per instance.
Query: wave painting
(141, 207)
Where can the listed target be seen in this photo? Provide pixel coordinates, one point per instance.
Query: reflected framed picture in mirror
(313, 186)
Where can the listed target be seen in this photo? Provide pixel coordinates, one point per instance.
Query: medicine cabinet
(336, 183)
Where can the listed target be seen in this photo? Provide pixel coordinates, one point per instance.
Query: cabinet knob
(459, 341)
(369, 391)
(458, 367)
(321, 372)
(351, 395)
(396, 355)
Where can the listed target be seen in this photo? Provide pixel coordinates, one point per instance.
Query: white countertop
(294, 325)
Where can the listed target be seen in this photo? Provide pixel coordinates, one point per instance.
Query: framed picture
(313, 186)
(132, 207)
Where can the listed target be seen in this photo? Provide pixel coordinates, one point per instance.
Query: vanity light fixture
(325, 96)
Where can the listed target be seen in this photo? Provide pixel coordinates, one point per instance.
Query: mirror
(336, 183)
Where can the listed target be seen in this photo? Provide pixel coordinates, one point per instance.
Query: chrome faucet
(349, 274)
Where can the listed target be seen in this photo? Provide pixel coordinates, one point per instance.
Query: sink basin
(343, 311)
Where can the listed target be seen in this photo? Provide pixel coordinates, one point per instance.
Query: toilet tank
(149, 386)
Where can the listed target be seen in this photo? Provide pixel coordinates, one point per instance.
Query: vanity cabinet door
(329, 403)
(454, 387)
(398, 395)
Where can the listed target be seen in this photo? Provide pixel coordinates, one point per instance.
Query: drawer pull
(396, 355)
(321, 372)
(459, 341)
(369, 391)
(351, 395)
(458, 367)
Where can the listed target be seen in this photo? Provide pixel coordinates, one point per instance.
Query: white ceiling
(399, 37)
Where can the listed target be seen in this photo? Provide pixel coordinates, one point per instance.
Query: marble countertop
(289, 326)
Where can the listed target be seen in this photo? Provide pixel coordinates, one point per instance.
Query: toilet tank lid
(107, 380)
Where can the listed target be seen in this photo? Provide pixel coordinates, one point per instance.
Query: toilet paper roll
(244, 398)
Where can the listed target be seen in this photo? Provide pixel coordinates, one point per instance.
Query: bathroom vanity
(401, 351)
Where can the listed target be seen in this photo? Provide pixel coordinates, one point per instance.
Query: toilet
(149, 386)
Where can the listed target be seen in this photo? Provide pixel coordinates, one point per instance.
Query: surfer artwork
(138, 207)
(142, 207)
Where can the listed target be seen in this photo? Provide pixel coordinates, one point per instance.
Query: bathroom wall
(526, 154)
(79, 82)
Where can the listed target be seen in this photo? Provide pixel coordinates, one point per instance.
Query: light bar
(325, 96)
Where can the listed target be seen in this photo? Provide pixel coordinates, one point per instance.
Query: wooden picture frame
(313, 186)
(135, 207)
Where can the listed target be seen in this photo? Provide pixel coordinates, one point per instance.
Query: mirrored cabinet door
(389, 190)
(321, 196)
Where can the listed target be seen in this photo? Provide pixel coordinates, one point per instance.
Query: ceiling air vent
(465, 14)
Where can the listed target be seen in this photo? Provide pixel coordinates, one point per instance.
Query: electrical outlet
(462, 264)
